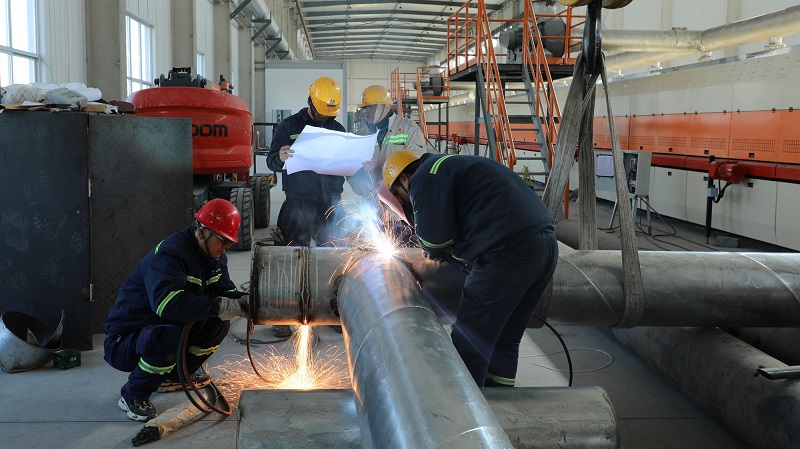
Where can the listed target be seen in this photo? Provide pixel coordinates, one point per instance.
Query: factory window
(139, 41)
(201, 64)
(18, 58)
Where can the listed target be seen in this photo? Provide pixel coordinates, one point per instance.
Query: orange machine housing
(222, 125)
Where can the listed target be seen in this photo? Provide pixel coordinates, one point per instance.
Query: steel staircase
(515, 102)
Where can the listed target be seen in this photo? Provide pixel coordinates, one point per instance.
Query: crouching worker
(478, 210)
(183, 279)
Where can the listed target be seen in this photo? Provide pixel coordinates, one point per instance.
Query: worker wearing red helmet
(475, 209)
(184, 278)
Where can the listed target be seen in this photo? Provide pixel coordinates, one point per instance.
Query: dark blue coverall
(305, 214)
(489, 217)
(176, 282)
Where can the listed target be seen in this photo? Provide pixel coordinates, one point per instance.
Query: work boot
(137, 410)
(169, 384)
(282, 331)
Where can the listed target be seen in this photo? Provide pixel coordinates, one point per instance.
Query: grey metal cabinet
(83, 198)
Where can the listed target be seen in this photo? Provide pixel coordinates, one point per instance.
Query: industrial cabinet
(669, 192)
(84, 197)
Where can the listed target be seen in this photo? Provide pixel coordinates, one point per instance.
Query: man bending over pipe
(481, 212)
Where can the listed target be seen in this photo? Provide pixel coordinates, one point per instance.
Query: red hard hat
(221, 217)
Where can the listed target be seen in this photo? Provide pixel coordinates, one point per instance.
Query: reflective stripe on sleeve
(436, 245)
(194, 280)
(165, 301)
(213, 279)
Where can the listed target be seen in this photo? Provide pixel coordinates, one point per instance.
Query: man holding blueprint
(313, 191)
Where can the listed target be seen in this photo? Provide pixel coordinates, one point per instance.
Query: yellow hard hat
(395, 164)
(375, 94)
(326, 96)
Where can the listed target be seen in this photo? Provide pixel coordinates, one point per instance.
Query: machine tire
(261, 207)
(242, 198)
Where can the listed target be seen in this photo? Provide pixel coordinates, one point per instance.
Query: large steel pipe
(544, 418)
(681, 288)
(291, 285)
(718, 371)
(412, 389)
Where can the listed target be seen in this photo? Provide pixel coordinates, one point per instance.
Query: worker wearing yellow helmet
(395, 133)
(310, 197)
(504, 233)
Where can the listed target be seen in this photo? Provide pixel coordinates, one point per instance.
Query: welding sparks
(295, 365)
(301, 379)
(372, 228)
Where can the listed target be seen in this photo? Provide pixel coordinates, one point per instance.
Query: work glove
(230, 308)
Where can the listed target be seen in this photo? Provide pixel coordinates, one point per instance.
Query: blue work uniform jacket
(472, 204)
(306, 185)
(174, 283)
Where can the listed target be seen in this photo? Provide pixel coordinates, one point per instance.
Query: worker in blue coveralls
(311, 209)
(473, 209)
(183, 279)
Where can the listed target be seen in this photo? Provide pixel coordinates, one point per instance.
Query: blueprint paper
(330, 152)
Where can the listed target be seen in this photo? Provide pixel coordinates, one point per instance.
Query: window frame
(145, 58)
(15, 55)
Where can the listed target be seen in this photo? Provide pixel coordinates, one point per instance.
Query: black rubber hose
(185, 378)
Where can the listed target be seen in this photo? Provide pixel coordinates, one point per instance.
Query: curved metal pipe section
(783, 343)
(273, 31)
(296, 284)
(681, 288)
(718, 371)
(412, 389)
(541, 417)
(645, 47)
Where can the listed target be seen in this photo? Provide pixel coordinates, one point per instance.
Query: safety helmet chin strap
(205, 240)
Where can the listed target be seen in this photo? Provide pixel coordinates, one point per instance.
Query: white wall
(287, 84)
(365, 72)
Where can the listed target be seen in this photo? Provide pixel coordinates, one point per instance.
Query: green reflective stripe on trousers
(436, 164)
(501, 380)
(213, 279)
(165, 301)
(397, 138)
(160, 370)
(194, 350)
(194, 280)
(435, 245)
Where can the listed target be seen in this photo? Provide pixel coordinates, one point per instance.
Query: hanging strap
(631, 268)
(576, 132)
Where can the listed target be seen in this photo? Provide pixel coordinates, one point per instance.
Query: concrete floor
(76, 408)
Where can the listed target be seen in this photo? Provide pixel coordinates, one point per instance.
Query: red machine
(728, 171)
(222, 143)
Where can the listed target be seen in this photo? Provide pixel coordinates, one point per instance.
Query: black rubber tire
(260, 186)
(242, 198)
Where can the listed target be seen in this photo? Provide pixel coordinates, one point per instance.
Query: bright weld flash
(373, 231)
